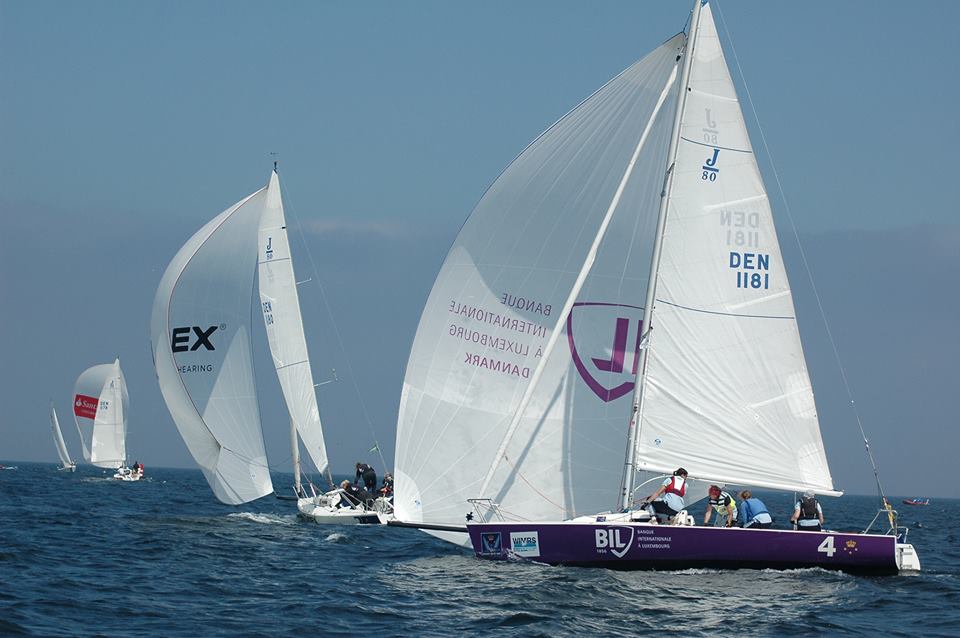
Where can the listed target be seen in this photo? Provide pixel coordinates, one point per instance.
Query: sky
(124, 127)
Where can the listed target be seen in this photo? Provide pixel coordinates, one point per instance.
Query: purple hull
(644, 546)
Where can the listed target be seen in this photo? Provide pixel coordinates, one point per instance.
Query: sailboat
(201, 330)
(280, 305)
(65, 462)
(100, 407)
(617, 306)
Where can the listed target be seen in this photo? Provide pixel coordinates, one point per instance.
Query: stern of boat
(907, 558)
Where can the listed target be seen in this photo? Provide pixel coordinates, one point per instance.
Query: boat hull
(332, 515)
(631, 546)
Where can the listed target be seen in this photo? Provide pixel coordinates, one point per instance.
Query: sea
(84, 555)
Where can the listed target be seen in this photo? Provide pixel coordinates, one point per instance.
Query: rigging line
(803, 256)
(336, 328)
(533, 487)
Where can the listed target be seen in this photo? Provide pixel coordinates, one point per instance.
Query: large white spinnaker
(62, 452)
(498, 298)
(200, 329)
(280, 305)
(100, 404)
(727, 393)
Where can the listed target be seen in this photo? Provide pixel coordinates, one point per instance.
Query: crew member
(667, 501)
(723, 504)
(753, 513)
(807, 513)
(369, 476)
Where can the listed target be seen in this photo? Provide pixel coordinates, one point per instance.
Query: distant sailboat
(201, 327)
(617, 302)
(100, 408)
(65, 462)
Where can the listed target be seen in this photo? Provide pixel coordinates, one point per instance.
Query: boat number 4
(826, 547)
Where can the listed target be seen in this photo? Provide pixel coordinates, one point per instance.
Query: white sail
(498, 299)
(280, 305)
(727, 392)
(200, 329)
(100, 405)
(58, 438)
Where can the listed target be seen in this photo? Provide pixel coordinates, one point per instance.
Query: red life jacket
(674, 488)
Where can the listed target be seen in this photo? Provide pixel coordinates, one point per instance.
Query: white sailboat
(201, 333)
(65, 462)
(617, 302)
(280, 304)
(100, 407)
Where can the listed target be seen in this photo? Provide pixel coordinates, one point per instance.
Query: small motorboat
(916, 501)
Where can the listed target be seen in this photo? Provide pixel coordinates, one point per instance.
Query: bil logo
(612, 538)
(180, 340)
(604, 340)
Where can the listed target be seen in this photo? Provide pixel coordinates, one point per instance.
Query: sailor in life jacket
(807, 513)
(753, 513)
(667, 501)
(723, 504)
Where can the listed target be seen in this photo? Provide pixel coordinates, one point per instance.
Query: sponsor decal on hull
(491, 544)
(615, 540)
(525, 544)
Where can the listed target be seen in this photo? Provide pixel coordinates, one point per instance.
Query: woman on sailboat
(723, 504)
(667, 501)
(753, 513)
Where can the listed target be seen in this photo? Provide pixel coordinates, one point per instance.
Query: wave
(265, 519)
(336, 537)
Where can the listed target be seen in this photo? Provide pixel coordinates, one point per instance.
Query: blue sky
(126, 126)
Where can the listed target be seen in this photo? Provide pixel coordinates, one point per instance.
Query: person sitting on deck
(353, 496)
(807, 513)
(753, 513)
(386, 490)
(369, 476)
(724, 504)
(667, 501)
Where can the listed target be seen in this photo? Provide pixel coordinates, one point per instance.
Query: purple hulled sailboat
(624, 268)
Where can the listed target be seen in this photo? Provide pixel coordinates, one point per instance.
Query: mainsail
(725, 362)
(100, 404)
(58, 439)
(200, 329)
(498, 299)
(280, 305)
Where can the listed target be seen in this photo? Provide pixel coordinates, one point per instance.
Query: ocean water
(83, 555)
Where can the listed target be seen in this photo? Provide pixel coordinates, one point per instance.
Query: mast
(295, 449)
(637, 402)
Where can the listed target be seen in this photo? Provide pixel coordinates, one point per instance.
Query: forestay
(200, 328)
(498, 297)
(100, 404)
(280, 305)
(727, 392)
